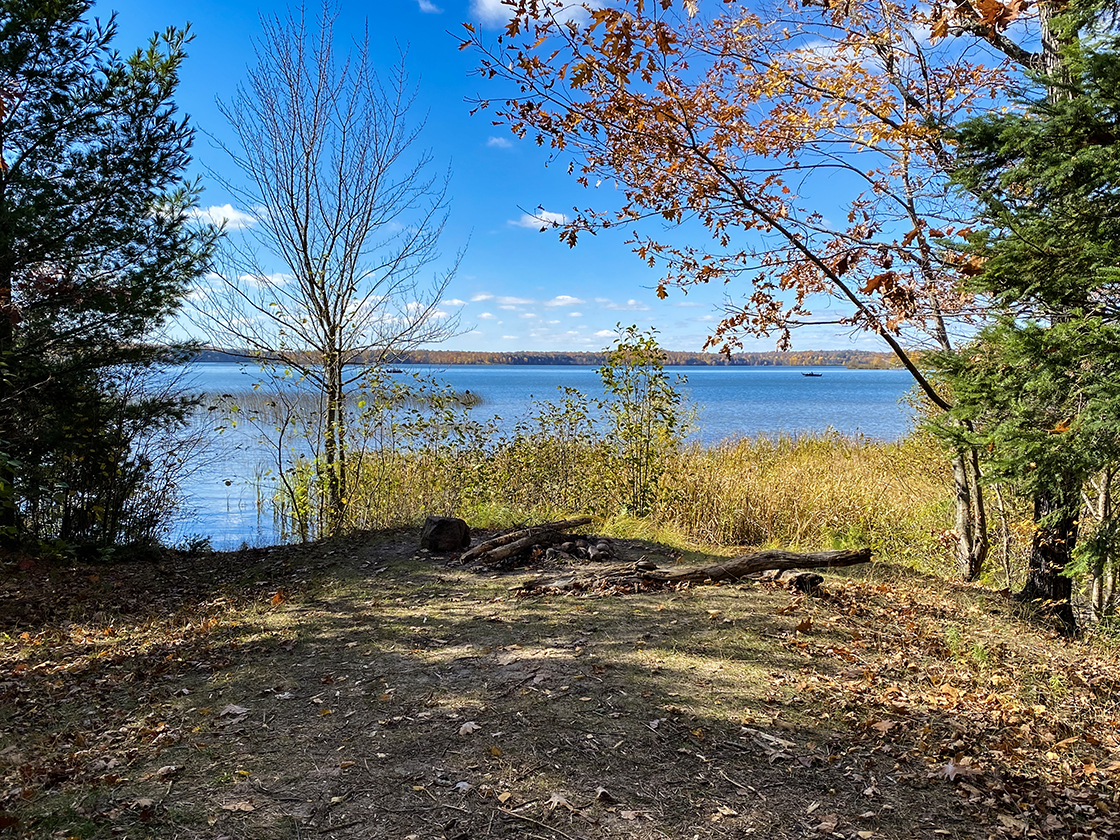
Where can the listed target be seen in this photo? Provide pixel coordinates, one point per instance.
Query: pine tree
(96, 253)
(1042, 384)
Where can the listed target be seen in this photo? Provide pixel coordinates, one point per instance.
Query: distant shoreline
(858, 359)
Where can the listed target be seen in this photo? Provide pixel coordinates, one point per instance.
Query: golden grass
(814, 491)
(809, 492)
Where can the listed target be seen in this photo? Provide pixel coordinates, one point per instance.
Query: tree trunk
(1103, 586)
(1052, 61)
(971, 525)
(9, 520)
(333, 445)
(1056, 511)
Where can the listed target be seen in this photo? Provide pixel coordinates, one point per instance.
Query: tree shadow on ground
(352, 690)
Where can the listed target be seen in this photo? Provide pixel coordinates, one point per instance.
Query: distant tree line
(808, 358)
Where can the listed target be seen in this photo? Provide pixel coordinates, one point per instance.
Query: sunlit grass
(815, 491)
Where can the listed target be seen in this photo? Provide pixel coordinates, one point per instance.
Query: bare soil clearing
(362, 689)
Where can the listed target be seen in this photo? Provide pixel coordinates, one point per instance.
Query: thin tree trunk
(9, 517)
(9, 520)
(978, 519)
(1005, 537)
(1104, 566)
(333, 445)
(963, 508)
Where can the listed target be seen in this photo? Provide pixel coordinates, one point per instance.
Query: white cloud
(487, 316)
(564, 300)
(223, 214)
(455, 302)
(490, 11)
(630, 305)
(498, 13)
(605, 334)
(429, 8)
(510, 337)
(528, 315)
(499, 143)
(540, 220)
(508, 308)
(575, 314)
(483, 296)
(515, 301)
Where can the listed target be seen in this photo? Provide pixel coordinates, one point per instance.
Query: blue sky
(517, 288)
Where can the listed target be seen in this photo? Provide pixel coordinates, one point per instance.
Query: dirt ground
(364, 689)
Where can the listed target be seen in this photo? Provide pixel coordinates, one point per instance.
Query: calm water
(732, 402)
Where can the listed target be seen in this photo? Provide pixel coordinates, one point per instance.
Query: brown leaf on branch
(883, 282)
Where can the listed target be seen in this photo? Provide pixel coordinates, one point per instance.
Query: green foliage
(1044, 400)
(96, 253)
(1039, 389)
(645, 421)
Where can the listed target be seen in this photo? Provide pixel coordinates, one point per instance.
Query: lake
(731, 402)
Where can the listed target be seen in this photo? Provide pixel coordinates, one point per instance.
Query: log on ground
(493, 548)
(775, 559)
(735, 568)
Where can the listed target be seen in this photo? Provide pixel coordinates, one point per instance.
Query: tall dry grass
(804, 492)
(815, 491)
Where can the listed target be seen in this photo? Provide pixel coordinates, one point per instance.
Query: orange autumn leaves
(990, 15)
(766, 132)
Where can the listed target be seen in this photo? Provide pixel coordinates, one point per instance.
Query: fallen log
(538, 539)
(775, 559)
(520, 536)
(735, 568)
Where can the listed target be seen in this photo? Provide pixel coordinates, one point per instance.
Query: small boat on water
(812, 374)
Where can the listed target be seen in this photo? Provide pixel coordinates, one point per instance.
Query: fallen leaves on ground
(129, 689)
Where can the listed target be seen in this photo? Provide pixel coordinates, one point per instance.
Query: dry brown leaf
(954, 768)
(558, 800)
(239, 806)
(829, 823)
